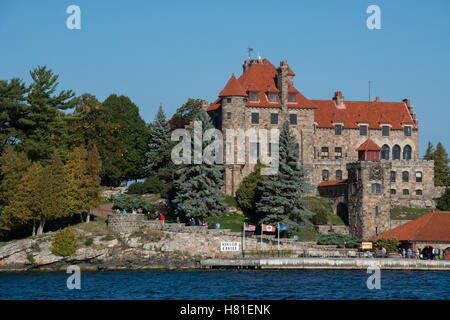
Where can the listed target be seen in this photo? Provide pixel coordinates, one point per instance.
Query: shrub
(247, 192)
(337, 239)
(128, 203)
(390, 244)
(320, 217)
(136, 188)
(89, 241)
(30, 257)
(153, 185)
(230, 201)
(65, 243)
(168, 192)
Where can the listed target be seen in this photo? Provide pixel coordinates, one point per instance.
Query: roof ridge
(428, 216)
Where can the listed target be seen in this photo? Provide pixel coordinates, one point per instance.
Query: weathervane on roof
(250, 50)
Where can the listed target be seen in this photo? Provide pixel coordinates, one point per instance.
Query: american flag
(249, 227)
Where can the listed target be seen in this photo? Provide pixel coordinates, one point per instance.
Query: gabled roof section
(334, 183)
(369, 145)
(233, 88)
(374, 113)
(434, 226)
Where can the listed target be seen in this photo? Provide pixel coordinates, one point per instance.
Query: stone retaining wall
(396, 223)
(323, 229)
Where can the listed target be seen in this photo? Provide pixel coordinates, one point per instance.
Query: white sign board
(229, 246)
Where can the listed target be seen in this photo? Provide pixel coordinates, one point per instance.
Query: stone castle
(361, 155)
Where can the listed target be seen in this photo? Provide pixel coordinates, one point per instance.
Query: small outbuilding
(425, 233)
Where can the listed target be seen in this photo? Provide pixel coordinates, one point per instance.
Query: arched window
(385, 152)
(419, 176)
(407, 153)
(324, 175)
(396, 152)
(405, 176)
(338, 174)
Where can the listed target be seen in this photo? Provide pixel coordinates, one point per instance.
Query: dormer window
(272, 97)
(407, 131)
(253, 96)
(385, 131)
(338, 129)
(292, 97)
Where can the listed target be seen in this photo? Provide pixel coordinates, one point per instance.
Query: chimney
(407, 102)
(338, 98)
(377, 99)
(246, 65)
(282, 83)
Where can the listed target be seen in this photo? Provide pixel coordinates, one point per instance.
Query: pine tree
(246, 193)
(430, 151)
(13, 112)
(159, 137)
(443, 202)
(26, 204)
(441, 169)
(13, 166)
(47, 122)
(199, 186)
(279, 196)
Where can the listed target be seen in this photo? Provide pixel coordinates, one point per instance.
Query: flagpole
(278, 239)
(261, 234)
(243, 242)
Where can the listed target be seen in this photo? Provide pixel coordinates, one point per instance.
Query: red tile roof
(233, 88)
(434, 226)
(333, 183)
(355, 112)
(369, 145)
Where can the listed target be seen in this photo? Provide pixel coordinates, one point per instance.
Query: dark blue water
(289, 284)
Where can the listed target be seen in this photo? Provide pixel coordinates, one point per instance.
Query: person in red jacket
(162, 218)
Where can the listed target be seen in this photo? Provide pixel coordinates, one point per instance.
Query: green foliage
(13, 166)
(136, 188)
(246, 193)
(306, 234)
(30, 257)
(93, 124)
(323, 213)
(390, 244)
(430, 151)
(150, 185)
(337, 239)
(65, 243)
(14, 120)
(199, 186)
(46, 121)
(190, 110)
(320, 217)
(441, 169)
(89, 241)
(128, 203)
(158, 142)
(443, 202)
(279, 196)
(134, 133)
(230, 201)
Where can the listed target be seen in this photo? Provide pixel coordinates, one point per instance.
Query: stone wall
(324, 229)
(397, 223)
(125, 223)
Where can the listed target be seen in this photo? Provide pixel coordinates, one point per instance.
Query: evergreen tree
(13, 112)
(92, 186)
(158, 141)
(26, 204)
(279, 196)
(47, 130)
(441, 169)
(443, 202)
(430, 151)
(92, 124)
(246, 193)
(199, 186)
(189, 110)
(134, 134)
(13, 166)
(54, 192)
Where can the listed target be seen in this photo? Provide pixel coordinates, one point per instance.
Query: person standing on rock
(178, 220)
(162, 218)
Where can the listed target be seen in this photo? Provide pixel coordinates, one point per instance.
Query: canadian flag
(268, 228)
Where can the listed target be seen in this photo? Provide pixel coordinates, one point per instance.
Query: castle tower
(368, 193)
(232, 117)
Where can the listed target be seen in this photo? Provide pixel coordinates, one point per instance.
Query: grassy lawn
(317, 204)
(234, 222)
(306, 235)
(97, 227)
(406, 213)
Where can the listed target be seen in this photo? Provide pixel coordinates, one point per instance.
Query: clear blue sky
(167, 51)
